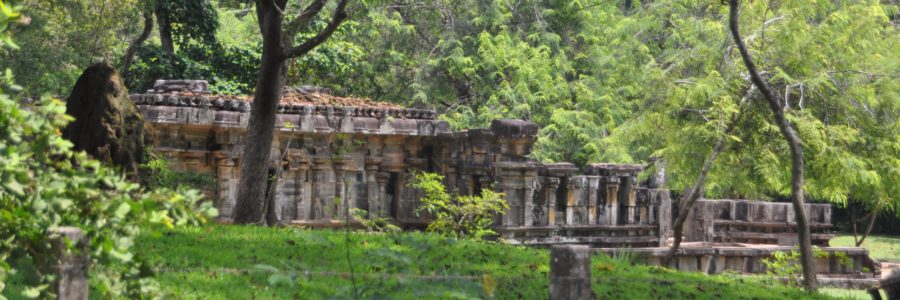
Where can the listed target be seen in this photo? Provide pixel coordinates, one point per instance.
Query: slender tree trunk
(250, 206)
(806, 257)
(129, 54)
(165, 29)
(853, 221)
(689, 197)
(868, 228)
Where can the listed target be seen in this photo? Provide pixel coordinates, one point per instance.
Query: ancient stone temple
(331, 147)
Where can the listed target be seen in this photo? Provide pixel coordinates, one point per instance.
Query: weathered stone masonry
(365, 153)
(372, 151)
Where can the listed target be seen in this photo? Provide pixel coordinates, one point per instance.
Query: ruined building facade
(367, 154)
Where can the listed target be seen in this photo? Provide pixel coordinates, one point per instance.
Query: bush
(457, 216)
(44, 184)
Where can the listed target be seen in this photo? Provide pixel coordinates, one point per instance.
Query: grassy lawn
(239, 262)
(880, 246)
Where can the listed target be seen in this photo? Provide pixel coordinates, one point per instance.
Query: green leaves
(457, 216)
(44, 184)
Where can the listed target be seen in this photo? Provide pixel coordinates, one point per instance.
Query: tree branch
(129, 54)
(340, 15)
(313, 9)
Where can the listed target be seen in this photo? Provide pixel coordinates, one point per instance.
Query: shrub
(454, 215)
(44, 184)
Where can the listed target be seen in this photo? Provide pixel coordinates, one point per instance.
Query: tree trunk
(868, 228)
(251, 194)
(250, 206)
(687, 199)
(129, 54)
(165, 29)
(806, 257)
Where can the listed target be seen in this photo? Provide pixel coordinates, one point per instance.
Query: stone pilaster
(552, 184)
(612, 200)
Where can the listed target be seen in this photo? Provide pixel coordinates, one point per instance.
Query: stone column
(227, 179)
(373, 187)
(508, 186)
(631, 210)
(340, 193)
(303, 198)
(570, 273)
(612, 200)
(592, 185)
(552, 184)
(528, 210)
(71, 267)
(570, 200)
(322, 188)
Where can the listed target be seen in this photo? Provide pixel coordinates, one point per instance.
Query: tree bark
(165, 29)
(250, 206)
(251, 194)
(129, 54)
(687, 199)
(796, 148)
(690, 196)
(868, 228)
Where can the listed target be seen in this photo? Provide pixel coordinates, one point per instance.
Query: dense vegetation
(623, 81)
(607, 80)
(272, 263)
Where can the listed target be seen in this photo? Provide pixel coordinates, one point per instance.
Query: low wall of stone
(713, 258)
(755, 222)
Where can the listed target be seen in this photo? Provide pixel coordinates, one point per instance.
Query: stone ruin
(372, 148)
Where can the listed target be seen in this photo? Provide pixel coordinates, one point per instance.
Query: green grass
(223, 262)
(847, 293)
(880, 246)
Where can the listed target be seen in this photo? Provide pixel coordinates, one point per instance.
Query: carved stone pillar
(227, 175)
(322, 188)
(341, 194)
(552, 184)
(629, 185)
(591, 190)
(513, 216)
(612, 200)
(373, 186)
(570, 200)
(528, 211)
(302, 197)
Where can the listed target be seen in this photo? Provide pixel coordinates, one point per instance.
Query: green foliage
(373, 223)
(228, 69)
(409, 265)
(191, 20)
(155, 173)
(63, 37)
(786, 265)
(454, 215)
(45, 184)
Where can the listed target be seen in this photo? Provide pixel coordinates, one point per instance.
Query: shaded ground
(237, 262)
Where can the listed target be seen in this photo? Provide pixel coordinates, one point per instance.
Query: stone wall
(367, 154)
(754, 222)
